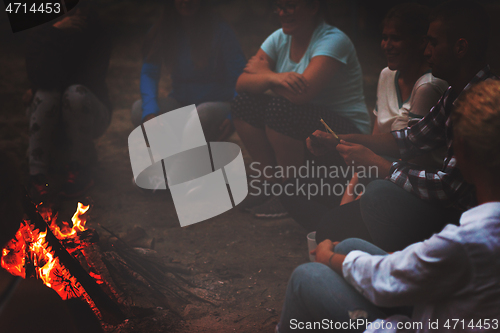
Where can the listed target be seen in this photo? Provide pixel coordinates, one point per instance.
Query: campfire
(54, 252)
(29, 255)
(67, 257)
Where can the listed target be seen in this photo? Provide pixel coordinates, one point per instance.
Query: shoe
(77, 181)
(271, 209)
(39, 189)
(252, 201)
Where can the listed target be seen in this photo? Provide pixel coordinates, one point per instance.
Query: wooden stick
(110, 311)
(329, 129)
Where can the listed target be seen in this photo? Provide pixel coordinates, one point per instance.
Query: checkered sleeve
(446, 187)
(426, 135)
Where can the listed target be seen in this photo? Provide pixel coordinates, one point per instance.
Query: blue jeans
(315, 293)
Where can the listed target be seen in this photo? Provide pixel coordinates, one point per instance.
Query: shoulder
(332, 35)
(275, 42)
(428, 82)
(277, 35)
(386, 74)
(386, 78)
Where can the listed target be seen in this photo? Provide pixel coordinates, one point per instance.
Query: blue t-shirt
(191, 85)
(344, 93)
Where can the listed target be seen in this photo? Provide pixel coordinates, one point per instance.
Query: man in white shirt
(452, 280)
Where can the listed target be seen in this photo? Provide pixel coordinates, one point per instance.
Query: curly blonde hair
(476, 119)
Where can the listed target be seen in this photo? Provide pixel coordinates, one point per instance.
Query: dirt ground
(238, 263)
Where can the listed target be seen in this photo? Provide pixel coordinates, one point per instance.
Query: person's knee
(306, 274)
(74, 98)
(377, 194)
(348, 245)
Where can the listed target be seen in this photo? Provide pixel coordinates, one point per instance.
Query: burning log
(109, 310)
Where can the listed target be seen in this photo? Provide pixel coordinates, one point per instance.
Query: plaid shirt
(447, 186)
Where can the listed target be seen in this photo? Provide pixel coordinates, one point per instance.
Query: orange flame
(30, 244)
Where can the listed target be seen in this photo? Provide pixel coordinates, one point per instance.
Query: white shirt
(453, 275)
(392, 112)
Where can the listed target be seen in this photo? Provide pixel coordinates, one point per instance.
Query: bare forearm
(383, 167)
(335, 263)
(254, 83)
(380, 144)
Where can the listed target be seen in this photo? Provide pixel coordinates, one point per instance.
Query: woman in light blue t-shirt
(306, 71)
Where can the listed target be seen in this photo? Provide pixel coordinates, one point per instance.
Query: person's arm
(376, 129)
(381, 144)
(424, 97)
(446, 188)
(259, 77)
(325, 254)
(150, 77)
(360, 156)
(318, 73)
(422, 273)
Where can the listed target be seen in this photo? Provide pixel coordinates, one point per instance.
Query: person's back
(477, 290)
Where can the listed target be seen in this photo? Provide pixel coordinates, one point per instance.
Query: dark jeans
(308, 211)
(387, 216)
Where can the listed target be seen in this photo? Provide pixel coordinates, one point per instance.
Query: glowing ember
(29, 253)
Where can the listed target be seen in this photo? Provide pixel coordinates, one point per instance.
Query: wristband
(330, 260)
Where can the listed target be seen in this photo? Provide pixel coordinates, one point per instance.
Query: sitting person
(310, 72)
(204, 60)
(26, 305)
(406, 92)
(453, 276)
(413, 202)
(68, 103)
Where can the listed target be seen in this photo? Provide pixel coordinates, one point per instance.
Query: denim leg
(352, 244)
(316, 293)
(396, 218)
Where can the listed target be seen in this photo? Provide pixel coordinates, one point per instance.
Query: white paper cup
(311, 244)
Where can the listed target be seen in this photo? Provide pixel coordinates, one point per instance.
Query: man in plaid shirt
(412, 202)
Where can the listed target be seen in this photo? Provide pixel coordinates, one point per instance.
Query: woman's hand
(359, 155)
(323, 144)
(349, 195)
(292, 82)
